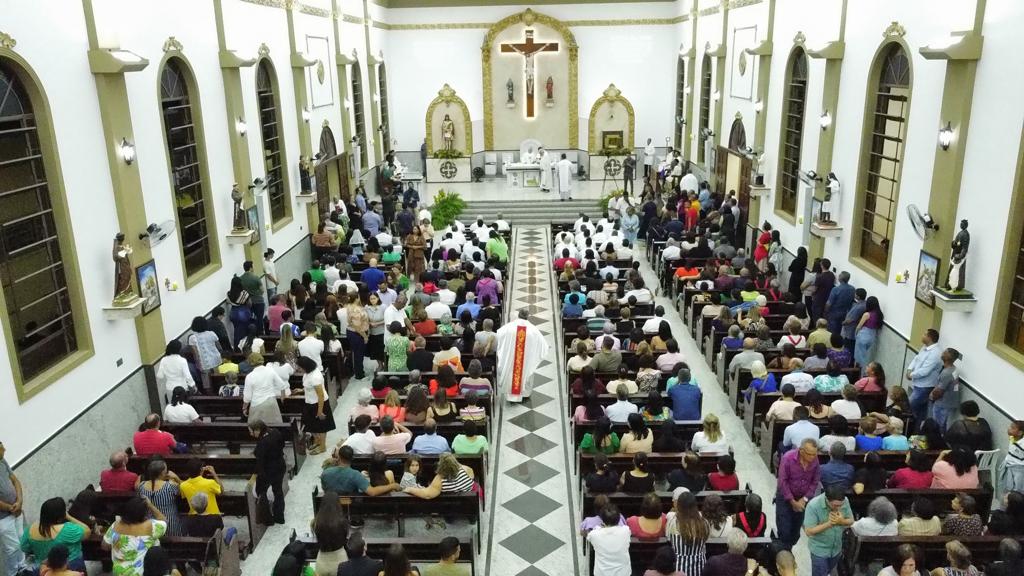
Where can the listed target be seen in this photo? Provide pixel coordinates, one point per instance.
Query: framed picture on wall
(149, 286)
(253, 217)
(927, 276)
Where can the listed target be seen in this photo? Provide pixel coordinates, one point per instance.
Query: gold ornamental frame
(612, 95)
(447, 96)
(529, 18)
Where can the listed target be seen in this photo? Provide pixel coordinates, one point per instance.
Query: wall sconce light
(241, 126)
(758, 107)
(305, 114)
(825, 120)
(716, 95)
(348, 103)
(127, 151)
(945, 136)
(688, 91)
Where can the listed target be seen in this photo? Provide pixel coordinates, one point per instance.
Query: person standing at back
(827, 516)
(923, 373)
(839, 302)
(824, 281)
(649, 152)
(270, 466)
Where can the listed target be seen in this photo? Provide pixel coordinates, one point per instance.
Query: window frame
(195, 105)
(276, 222)
(680, 102)
(789, 124)
(1012, 249)
(359, 114)
(705, 105)
(57, 192)
(873, 97)
(385, 119)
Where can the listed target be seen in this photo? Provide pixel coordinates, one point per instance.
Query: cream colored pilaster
(763, 51)
(719, 55)
(691, 62)
(298, 64)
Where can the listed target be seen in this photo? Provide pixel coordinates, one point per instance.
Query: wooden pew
(685, 429)
(658, 463)
(237, 433)
(755, 410)
(771, 435)
(479, 463)
(628, 503)
(448, 430)
(420, 550)
(941, 497)
(642, 552)
(231, 465)
(230, 407)
(400, 506)
(859, 551)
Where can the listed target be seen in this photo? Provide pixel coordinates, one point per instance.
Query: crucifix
(527, 50)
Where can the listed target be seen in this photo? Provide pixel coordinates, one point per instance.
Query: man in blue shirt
(837, 472)
(429, 442)
(686, 398)
(343, 479)
(839, 302)
(572, 307)
(853, 318)
(470, 305)
(923, 373)
(372, 220)
(575, 288)
(372, 276)
(799, 430)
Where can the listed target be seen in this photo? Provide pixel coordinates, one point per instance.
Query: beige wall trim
(570, 23)
(1007, 268)
(528, 16)
(292, 5)
(398, 4)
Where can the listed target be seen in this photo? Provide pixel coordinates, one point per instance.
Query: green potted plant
(446, 208)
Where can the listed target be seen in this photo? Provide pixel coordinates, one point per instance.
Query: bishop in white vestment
(545, 170)
(564, 172)
(521, 347)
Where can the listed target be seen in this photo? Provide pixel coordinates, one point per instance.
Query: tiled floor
(532, 509)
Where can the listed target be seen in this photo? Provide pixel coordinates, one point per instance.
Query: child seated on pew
(725, 478)
(227, 364)
(230, 389)
(867, 440)
(410, 477)
(895, 440)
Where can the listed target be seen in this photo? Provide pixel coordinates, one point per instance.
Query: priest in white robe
(545, 170)
(521, 347)
(564, 172)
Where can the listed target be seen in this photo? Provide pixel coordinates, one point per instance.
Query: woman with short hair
(959, 557)
(879, 521)
(904, 562)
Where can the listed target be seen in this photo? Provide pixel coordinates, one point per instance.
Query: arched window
(705, 104)
(270, 124)
(385, 121)
(882, 160)
(792, 134)
(181, 129)
(680, 101)
(357, 110)
(35, 279)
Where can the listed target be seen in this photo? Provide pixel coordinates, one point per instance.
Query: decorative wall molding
(6, 41)
(612, 95)
(292, 5)
(313, 10)
(529, 17)
(569, 23)
(351, 19)
(447, 96)
(172, 45)
(894, 29)
(734, 4)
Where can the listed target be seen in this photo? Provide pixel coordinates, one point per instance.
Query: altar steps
(531, 213)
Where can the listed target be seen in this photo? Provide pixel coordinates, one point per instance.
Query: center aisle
(533, 517)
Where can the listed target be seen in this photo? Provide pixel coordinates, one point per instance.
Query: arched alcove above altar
(612, 122)
(448, 107)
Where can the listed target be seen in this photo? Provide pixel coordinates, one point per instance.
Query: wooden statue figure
(550, 87)
(306, 174)
(510, 87)
(239, 224)
(122, 271)
(448, 133)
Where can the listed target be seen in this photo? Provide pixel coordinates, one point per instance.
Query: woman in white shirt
(798, 340)
(710, 440)
(317, 418)
(313, 348)
(610, 543)
(263, 387)
(581, 360)
(847, 406)
(173, 371)
(879, 521)
(179, 411)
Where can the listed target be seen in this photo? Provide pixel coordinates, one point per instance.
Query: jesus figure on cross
(527, 50)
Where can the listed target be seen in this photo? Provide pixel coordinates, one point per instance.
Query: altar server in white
(545, 170)
(564, 171)
(521, 347)
(649, 158)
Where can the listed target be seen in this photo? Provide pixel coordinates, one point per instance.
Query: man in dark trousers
(628, 173)
(824, 281)
(270, 466)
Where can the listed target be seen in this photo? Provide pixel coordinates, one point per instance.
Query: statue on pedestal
(239, 224)
(510, 87)
(448, 133)
(122, 271)
(956, 279)
(306, 174)
(549, 86)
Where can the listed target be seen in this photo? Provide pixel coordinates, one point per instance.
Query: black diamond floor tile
(532, 544)
(531, 505)
(531, 420)
(537, 399)
(536, 320)
(531, 445)
(532, 571)
(532, 473)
